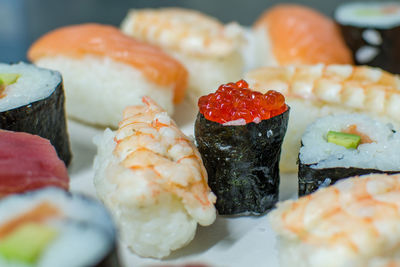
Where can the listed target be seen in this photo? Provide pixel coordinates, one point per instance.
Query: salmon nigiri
(294, 34)
(104, 71)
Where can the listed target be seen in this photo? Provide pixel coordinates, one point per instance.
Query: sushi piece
(32, 101)
(152, 179)
(29, 162)
(372, 32)
(341, 146)
(104, 71)
(50, 227)
(320, 90)
(239, 134)
(208, 49)
(293, 34)
(352, 223)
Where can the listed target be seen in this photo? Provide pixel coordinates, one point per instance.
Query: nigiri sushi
(293, 34)
(208, 49)
(152, 179)
(319, 90)
(239, 133)
(352, 223)
(29, 162)
(32, 101)
(104, 71)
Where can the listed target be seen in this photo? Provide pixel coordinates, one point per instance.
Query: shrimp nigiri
(153, 180)
(318, 90)
(352, 223)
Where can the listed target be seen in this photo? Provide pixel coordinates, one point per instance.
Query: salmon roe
(235, 101)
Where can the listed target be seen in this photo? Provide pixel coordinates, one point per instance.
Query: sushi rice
(85, 230)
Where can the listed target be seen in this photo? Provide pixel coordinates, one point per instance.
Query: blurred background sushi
(23, 21)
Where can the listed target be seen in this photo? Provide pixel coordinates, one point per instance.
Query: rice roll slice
(341, 146)
(50, 227)
(372, 32)
(152, 179)
(239, 133)
(32, 101)
(105, 70)
(29, 162)
(351, 223)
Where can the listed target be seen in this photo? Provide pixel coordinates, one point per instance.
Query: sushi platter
(229, 242)
(177, 140)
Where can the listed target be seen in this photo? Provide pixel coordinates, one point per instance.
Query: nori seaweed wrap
(242, 159)
(323, 161)
(372, 31)
(34, 103)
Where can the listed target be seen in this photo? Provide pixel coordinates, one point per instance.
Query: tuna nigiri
(294, 34)
(153, 180)
(28, 162)
(104, 71)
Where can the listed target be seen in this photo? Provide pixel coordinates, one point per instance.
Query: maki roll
(32, 101)
(51, 227)
(372, 31)
(340, 146)
(239, 134)
(29, 162)
(352, 223)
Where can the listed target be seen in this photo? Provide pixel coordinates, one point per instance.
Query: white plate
(230, 241)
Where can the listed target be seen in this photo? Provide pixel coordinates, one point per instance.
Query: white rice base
(151, 226)
(98, 88)
(383, 154)
(346, 14)
(34, 84)
(260, 48)
(74, 246)
(206, 74)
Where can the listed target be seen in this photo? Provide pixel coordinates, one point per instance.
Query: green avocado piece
(8, 78)
(27, 242)
(344, 139)
(368, 12)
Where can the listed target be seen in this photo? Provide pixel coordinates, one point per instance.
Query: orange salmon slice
(78, 41)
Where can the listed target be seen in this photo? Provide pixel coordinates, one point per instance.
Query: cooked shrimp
(148, 140)
(351, 222)
(183, 30)
(360, 88)
(153, 180)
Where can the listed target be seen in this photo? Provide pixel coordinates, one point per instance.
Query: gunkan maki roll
(341, 146)
(32, 101)
(372, 31)
(239, 133)
(50, 227)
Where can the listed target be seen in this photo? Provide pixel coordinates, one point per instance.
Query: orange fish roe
(235, 101)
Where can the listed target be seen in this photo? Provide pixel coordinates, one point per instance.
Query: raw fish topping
(235, 102)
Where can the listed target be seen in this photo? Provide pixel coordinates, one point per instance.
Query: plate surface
(229, 242)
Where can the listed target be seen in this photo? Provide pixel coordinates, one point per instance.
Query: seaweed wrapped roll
(32, 101)
(372, 32)
(239, 134)
(50, 227)
(340, 146)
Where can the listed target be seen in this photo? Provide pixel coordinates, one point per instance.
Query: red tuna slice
(29, 162)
